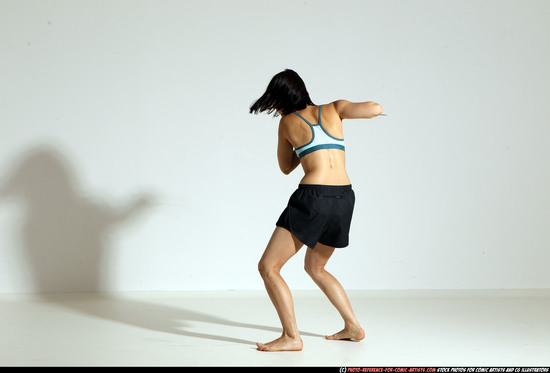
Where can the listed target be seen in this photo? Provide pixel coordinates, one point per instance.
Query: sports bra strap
(305, 120)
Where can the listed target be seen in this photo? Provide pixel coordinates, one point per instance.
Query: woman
(319, 212)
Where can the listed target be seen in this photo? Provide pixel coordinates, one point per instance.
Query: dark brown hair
(286, 93)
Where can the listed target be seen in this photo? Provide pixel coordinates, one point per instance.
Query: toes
(347, 335)
(335, 337)
(262, 347)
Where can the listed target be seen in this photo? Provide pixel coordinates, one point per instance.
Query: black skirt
(319, 213)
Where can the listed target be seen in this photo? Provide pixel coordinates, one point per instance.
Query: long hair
(285, 94)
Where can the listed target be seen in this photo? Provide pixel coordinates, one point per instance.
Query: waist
(325, 167)
(327, 189)
(325, 176)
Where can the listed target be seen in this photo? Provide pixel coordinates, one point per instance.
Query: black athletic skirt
(319, 213)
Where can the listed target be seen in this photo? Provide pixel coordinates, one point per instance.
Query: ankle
(291, 334)
(352, 326)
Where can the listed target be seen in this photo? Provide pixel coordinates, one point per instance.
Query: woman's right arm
(355, 110)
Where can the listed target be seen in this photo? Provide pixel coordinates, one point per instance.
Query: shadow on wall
(64, 234)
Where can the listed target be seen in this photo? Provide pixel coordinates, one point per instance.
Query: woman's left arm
(288, 160)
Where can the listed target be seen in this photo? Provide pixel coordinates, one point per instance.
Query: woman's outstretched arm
(356, 110)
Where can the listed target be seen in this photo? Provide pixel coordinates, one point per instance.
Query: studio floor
(404, 328)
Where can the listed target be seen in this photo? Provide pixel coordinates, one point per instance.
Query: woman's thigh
(281, 247)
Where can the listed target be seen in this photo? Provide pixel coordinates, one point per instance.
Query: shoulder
(287, 120)
(340, 105)
(285, 123)
(336, 106)
(333, 109)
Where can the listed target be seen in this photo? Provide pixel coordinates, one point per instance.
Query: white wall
(128, 159)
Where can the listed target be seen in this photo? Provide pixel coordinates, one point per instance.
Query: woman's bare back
(324, 166)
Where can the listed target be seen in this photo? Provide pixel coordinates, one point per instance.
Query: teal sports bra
(320, 139)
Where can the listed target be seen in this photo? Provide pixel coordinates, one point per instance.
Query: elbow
(286, 171)
(287, 168)
(378, 109)
(374, 110)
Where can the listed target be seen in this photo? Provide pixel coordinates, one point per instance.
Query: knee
(266, 270)
(315, 272)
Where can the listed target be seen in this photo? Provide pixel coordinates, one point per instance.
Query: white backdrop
(128, 159)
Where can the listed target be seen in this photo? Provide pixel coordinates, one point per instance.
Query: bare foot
(348, 334)
(284, 343)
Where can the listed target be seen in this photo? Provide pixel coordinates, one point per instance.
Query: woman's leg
(281, 247)
(315, 262)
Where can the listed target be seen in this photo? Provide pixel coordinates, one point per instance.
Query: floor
(404, 328)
